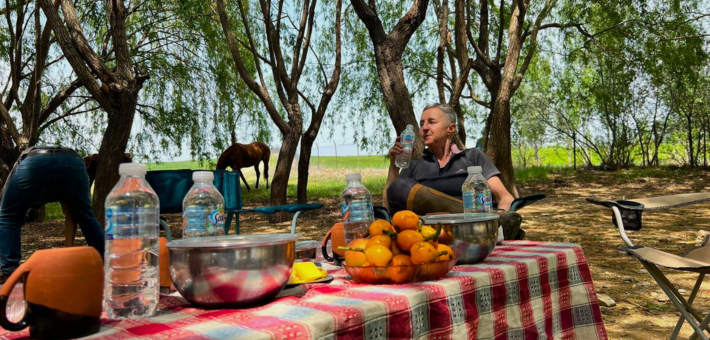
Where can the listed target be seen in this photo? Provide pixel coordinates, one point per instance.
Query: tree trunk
(396, 95)
(460, 127)
(499, 143)
(113, 145)
(279, 185)
(304, 162)
(8, 154)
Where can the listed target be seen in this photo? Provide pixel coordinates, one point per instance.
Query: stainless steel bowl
(306, 250)
(232, 271)
(472, 236)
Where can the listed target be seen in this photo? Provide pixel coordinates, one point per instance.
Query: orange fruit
(379, 227)
(405, 220)
(378, 255)
(366, 264)
(395, 249)
(356, 258)
(449, 253)
(401, 260)
(382, 240)
(428, 233)
(423, 252)
(406, 239)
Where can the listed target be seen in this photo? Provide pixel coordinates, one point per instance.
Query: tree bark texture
(113, 146)
(388, 49)
(117, 93)
(287, 78)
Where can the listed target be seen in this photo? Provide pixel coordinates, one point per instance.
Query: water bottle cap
(135, 169)
(353, 177)
(474, 169)
(410, 127)
(203, 176)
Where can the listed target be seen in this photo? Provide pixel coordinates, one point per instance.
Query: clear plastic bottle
(356, 208)
(131, 272)
(407, 139)
(476, 192)
(203, 208)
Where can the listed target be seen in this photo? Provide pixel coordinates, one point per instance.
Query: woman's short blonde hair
(449, 112)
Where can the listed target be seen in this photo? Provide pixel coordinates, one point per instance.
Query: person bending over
(44, 175)
(432, 183)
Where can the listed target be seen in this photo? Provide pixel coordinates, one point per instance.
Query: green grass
(327, 181)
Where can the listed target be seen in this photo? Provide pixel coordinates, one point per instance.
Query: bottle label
(468, 201)
(408, 138)
(356, 211)
(131, 222)
(217, 218)
(197, 220)
(484, 201)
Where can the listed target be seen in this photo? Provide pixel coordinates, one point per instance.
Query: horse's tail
(265, 156)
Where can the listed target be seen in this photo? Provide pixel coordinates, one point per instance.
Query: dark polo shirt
(450, 178)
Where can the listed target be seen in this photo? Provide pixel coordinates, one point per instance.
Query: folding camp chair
(626, 214)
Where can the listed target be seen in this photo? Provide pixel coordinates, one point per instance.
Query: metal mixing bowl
(306, 250)
(472, 236)
(232, 271)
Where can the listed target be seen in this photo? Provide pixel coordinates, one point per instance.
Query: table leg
(228, 222)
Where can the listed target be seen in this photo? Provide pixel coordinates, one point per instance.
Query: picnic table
(523, 290)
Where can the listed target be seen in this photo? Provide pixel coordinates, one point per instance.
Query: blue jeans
(41, 179)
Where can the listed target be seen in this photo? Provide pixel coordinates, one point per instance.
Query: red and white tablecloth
(524, 290)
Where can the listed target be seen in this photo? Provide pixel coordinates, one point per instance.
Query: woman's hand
(397, 149)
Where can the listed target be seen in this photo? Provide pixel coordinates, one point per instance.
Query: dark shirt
(450, 178)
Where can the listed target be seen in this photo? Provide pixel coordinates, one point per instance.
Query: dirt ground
(565, 217)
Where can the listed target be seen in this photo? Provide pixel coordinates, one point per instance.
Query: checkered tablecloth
(524, 290)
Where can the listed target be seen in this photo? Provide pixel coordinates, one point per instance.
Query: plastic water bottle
(356, 208)
(407, 139)
(131, 271)
(476, 192)
(203, 208)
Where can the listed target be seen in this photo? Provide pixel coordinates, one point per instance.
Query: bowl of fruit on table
(402, 252)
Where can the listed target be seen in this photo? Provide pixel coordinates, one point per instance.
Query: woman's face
(434, 129)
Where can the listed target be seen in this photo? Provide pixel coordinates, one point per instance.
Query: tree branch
(72, 55)
(244, 74)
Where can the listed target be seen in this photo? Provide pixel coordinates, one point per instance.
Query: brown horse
(240, 156)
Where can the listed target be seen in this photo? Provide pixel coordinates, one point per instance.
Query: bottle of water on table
(131, 271)
(203, 208)
(356, 208)
(476, 192)
(407, 139)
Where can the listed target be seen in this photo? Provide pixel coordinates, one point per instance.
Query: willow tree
(30, 103)
(389, 49)
(112, 50)
(280, 51)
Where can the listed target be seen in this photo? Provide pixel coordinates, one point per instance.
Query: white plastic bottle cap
(135, 169)
(353, 177)
(474, 169)
(410, 127)
(203, 176)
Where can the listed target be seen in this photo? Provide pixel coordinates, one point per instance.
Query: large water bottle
(356, 207)
(476, 192)
(203, 208)
(131, 261)
(407, 139)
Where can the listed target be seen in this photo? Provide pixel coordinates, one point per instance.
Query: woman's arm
(500, 193)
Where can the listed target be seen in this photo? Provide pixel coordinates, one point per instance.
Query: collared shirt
(449, 179)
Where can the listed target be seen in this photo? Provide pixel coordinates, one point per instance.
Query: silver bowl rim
(307, 245)
(464, 218)
(232, 241)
